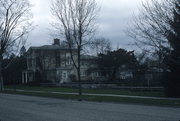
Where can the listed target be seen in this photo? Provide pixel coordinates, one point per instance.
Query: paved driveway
(29, 108)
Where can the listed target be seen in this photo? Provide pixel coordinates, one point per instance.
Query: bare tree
(76, 21)
(45, 62)
(157, 29)
(101, 45)
(151, 28)
(14, 25)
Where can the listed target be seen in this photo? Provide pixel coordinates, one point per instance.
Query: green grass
(93, 91)
(155, 102)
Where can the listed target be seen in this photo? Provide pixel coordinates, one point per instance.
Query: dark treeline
(13, 68)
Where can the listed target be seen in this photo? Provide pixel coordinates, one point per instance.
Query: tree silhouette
(15, 24)
(173, 58)
(76, 22)
(157, 30)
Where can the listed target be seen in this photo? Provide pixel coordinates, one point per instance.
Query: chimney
(56, 42)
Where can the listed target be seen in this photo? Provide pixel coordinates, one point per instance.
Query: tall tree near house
(44, 63)
(173, 37)
(158, 28)
(76, 22)
(14, 26)
(151, 26)
(173, 58)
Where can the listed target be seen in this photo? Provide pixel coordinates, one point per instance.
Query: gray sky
(113, 19)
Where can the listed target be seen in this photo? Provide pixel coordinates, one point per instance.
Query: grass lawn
(93, 91)
(154, 102)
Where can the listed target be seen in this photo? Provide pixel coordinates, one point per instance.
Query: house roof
(50, 47)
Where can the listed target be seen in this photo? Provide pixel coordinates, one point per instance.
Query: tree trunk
(1, 75)
(79, 71)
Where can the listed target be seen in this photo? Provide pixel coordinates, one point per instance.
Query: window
(82, 63)
(98, 74)
(64, 75)
(68, 60)
(83, 73)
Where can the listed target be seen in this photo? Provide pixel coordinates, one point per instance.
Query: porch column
(26, 81)
(22, 77)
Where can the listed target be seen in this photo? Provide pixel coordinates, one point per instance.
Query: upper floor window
(83, 73)
(68, 60)
(98, 74)
(83, 63)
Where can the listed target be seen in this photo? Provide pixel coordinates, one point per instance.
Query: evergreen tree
(113, 60)
(13, 73)
(173, 59)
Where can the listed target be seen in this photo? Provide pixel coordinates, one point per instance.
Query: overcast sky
(113, 19)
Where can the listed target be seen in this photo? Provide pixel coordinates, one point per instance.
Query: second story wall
(45, 59)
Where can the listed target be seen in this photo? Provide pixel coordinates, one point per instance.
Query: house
(89, 69)
(53, 63)
(49, 62)
(128, 74)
